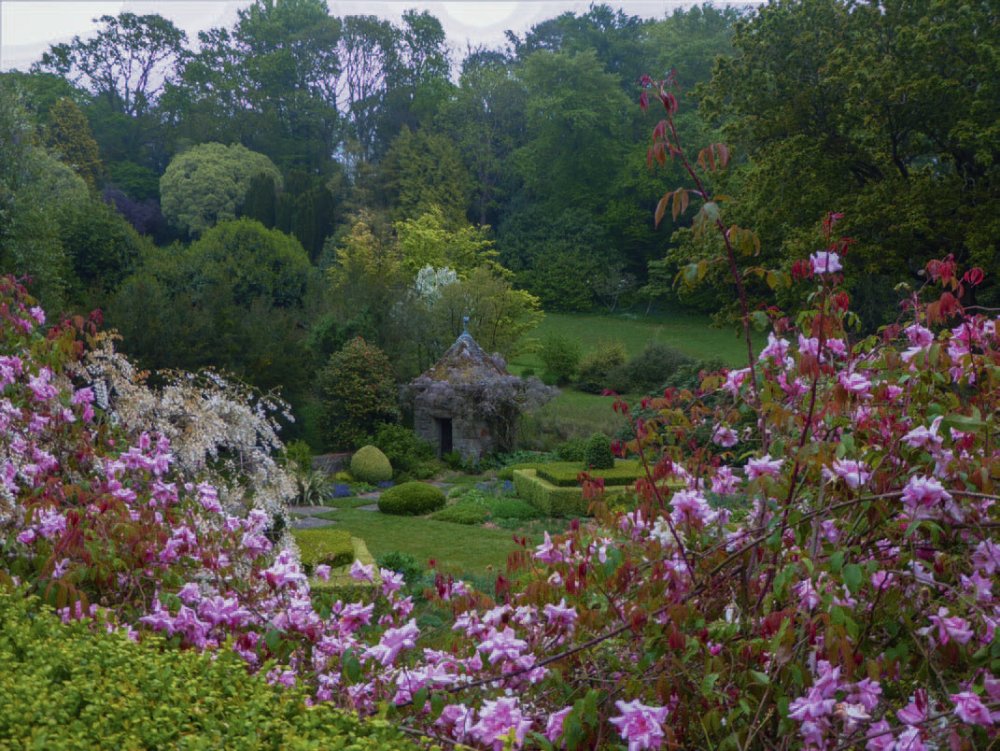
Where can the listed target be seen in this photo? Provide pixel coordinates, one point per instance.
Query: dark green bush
(573, 450)
(649, 369)
(561, 357)
(512, 508)
(358, 392)
(409, 455)
(688, 376)
(596, 369)
(598, 452)
(66, 688)
(411, 499)
(463, 512)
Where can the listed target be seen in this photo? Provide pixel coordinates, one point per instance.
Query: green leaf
(708, 684)
(837, 561)
(761, 678)
(852, 576)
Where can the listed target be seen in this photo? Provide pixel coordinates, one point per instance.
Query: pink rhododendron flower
(916, 711)
(394, 641)
(910, 740)
(853, 473)
(362, 573)
(640, 725)
(824, 262)
(725, 437)
(497, 720)
(922, 493)
(554, 725)
(970, 708)
(880, 737)
(560, 615)
(502, 645)
(854, 383)
(776, 349)
(764, 466)
(951, 628)
(735, 379)
(922, 437)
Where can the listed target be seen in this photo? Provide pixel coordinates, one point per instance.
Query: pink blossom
(951, 628)
(986, 557)
(725, 437)
(554, 726)
(910, 740)
(724, 482)
(776, 349)
(454, 720)
(391, 581)
(765, 465)
(853, 473)
(560, 615)
(497, 721)
(919, 336)
(809, 346)
(322, 572)
(880, 737)
(808, 596)
(921, 493)
(502, 645)
(691, 507)
(824, 262)
(362, 573)
(854, 383)
(970, 709)
(547, 552)
(916, 711)
(735, 379)
(866, 693)
(921, 437)
(394, 641)
(640, 725)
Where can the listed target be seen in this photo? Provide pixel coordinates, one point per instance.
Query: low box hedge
(329, 546)
(555, 500)
(565, 474)
(69, 688)
(411, 499)
(340, 585)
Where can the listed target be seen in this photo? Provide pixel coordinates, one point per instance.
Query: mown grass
(456, 548)
(691, 333)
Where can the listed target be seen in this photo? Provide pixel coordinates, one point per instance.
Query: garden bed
(566, 474)
(556, 500)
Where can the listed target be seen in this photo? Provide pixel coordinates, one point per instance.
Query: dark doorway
(444, 435)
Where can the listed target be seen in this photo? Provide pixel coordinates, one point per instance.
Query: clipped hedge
(411, 499)
(330, 547)
(553, 500)
(66, 687)
(370, 465)
(565, 474)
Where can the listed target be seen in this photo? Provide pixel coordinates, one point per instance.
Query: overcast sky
(28, 27)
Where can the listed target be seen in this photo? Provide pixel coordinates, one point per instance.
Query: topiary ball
(411, 499)
(370, 465)
(598, 452)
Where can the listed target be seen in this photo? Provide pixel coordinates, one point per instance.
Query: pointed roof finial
(465, 324)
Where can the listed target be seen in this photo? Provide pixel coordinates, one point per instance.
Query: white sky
(28, 27)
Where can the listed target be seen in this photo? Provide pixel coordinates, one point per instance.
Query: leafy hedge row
(66, 687)
(411, 499)
(553, 500)
(566, 474)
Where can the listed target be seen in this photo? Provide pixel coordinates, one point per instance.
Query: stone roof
(467, 362)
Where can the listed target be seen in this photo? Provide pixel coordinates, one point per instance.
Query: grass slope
(456, 548)
(692, 334)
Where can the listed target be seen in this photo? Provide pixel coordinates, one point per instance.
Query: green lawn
(690, 333)
(457, 548)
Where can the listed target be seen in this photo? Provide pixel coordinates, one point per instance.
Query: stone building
(444, 409)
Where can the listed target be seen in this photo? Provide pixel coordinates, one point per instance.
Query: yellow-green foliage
(369, 464)
(66, 687)
(411, 499)
(565, 474)
(553, 500)
(330, 547)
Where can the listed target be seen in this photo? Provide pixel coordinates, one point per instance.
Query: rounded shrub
(597, 368)
(411, 499)
(402, 563)
(598, 453)
(370, 465)
(358, 391)
(408, 454)
(561, 357)
(649, 369)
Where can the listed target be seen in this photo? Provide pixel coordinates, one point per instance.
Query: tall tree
(126, 63)
(69, 135)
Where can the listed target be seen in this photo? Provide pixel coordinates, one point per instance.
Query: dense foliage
(69, 687)
(411, 499)
(358, 393)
